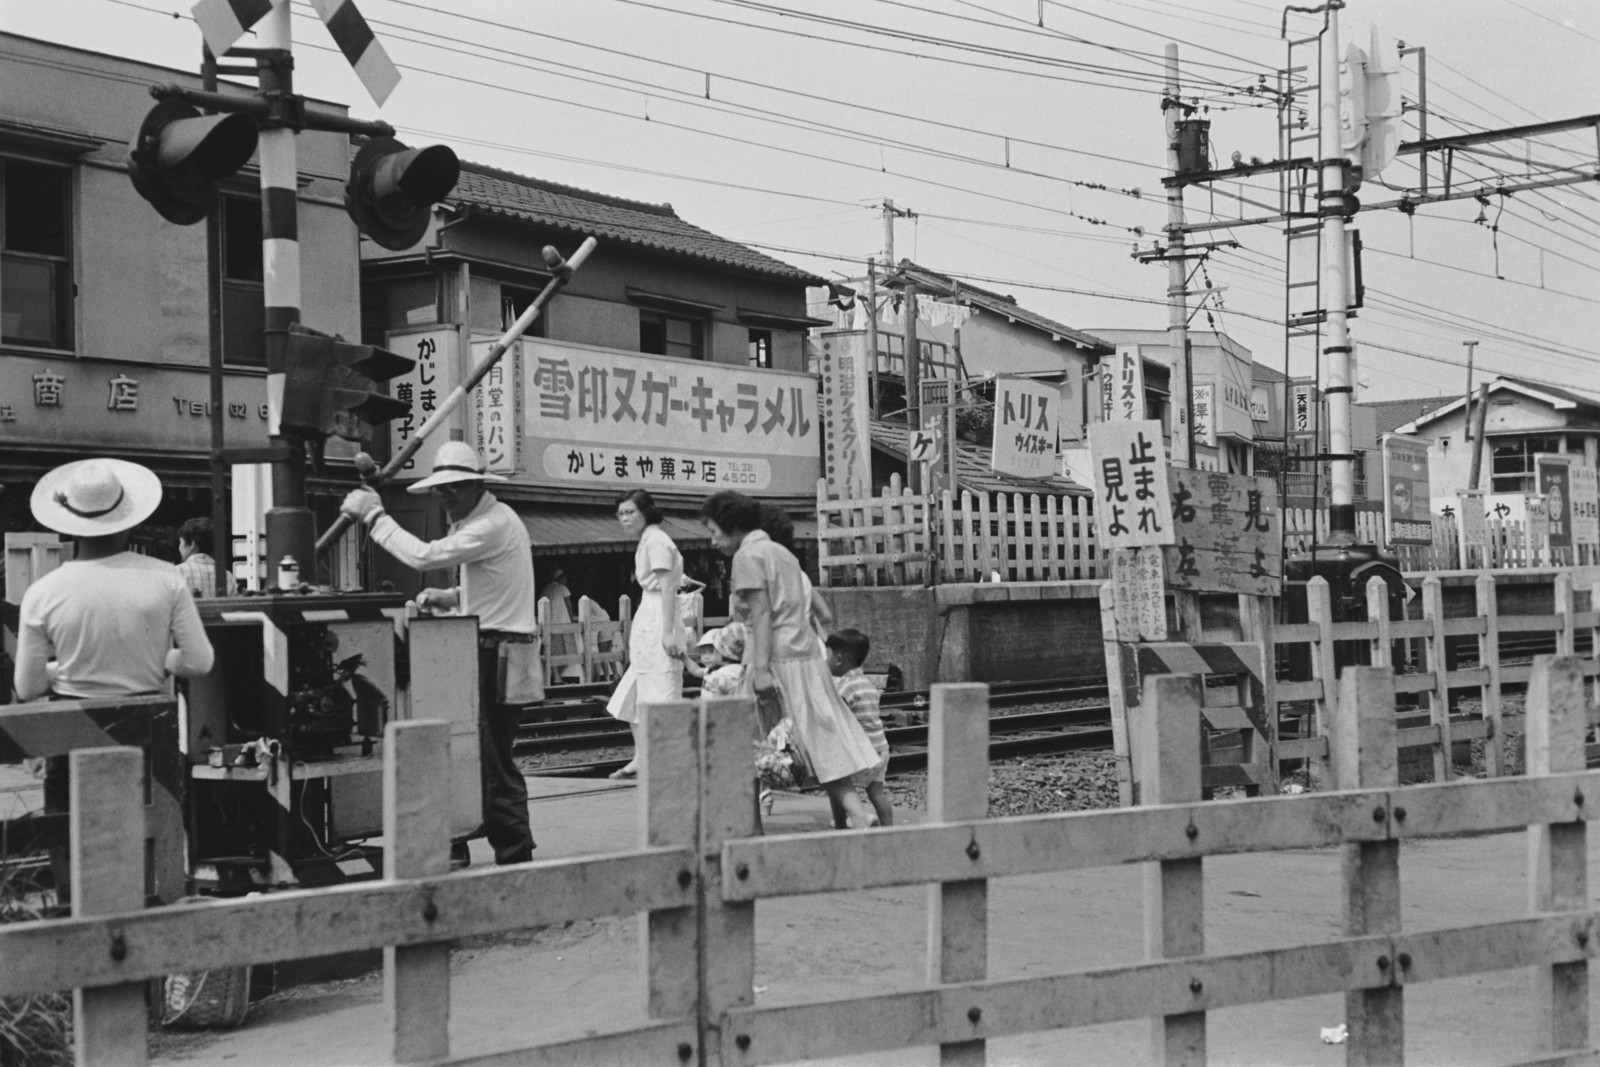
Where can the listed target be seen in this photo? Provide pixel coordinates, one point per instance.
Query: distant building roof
(1553, 395)
(610, 218)
(996, 303)
(1389, 415)
(972, 465)
(1265, 375)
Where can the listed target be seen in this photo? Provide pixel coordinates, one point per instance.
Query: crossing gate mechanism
(1237, 712)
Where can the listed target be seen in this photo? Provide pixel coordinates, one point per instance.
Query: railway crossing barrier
(47, 729)
(700, 874)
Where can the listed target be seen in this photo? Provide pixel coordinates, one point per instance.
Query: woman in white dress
(783, 654)
(656, 642)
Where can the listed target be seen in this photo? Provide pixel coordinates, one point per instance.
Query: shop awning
(574, 530)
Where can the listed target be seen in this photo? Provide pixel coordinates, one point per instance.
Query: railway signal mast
(180, 156)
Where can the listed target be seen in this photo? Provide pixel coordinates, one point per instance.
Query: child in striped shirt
(847, 651)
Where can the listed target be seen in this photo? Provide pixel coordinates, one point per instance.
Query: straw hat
(95, 497)
(456, 461)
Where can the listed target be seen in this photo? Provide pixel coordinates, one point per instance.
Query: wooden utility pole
(1182, 366)
(913, 379)
(873, 404)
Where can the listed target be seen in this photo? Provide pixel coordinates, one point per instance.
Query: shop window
(670, 335)
(244, 316)
(1513, 462)
(36, 287)
(761, 349)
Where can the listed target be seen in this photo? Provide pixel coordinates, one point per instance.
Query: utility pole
(872, 337)
(1182, 367)
(913, 378)
(1336, 349)
(1472, 347)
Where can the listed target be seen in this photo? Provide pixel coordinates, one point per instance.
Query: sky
(1031, 155)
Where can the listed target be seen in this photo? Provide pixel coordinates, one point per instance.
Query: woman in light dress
(656, 642)
(782, 653)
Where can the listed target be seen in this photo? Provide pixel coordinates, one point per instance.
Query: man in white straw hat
(110, 623)
(490, 545)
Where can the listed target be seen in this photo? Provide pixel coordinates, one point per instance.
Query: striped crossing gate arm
(1248, 715)
(55, 728)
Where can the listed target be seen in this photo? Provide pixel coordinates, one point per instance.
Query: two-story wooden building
(108, 312)
(673, 361)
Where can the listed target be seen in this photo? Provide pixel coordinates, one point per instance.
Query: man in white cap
(490, 545)
(110, 623)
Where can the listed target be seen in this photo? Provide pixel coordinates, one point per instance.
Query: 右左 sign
(1229, 534)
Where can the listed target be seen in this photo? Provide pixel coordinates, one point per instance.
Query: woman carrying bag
(656, 642)
(784, 660)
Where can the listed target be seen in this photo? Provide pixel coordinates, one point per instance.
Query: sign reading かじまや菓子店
(609, 419)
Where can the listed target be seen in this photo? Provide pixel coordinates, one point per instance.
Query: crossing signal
(331, 387)
(392, 189)
(180, 156)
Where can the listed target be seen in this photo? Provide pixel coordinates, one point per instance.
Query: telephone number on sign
(741, 472)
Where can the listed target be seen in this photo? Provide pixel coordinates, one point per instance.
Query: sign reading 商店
(605, 419)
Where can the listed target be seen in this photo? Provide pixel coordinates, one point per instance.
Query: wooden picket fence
(1435, 658)
(1023, 537)
(593, 647)
(700, 871)
(882, 540)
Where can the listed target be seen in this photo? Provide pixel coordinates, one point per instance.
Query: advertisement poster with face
(1554, 476)
(1406, 498)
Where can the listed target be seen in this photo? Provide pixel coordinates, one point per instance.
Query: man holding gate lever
(490, 545)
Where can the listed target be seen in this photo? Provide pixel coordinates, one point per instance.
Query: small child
(699, 662)
(724, 663)
(847, 651)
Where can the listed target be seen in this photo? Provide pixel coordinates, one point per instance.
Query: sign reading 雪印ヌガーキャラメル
(609, 419)
(1407, 505)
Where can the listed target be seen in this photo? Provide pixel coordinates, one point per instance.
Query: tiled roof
(1265, 375)
(972, 466)
(997, 303)
(610, 218)
(1389, 415)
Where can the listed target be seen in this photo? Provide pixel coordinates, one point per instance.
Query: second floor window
(670, 335)
(1513, 462)
(514, 300)
(244, 318)
(761, 349)
(35, 255)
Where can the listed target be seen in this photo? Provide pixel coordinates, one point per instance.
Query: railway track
(1052, 731)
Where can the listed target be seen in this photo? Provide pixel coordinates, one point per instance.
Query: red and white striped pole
(290, 531)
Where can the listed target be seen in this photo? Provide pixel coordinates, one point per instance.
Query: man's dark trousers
(505, 794)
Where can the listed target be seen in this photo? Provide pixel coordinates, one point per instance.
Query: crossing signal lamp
(332, 387)
(180, 156)
(392, 189)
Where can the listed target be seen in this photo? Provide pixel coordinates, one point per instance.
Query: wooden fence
(699, 875)
(1041, 537)
(882, 540)
(1436, 658)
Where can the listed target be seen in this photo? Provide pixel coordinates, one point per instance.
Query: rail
(700, 873)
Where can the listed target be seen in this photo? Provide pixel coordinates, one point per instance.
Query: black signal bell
(180, 156)
(392, 188)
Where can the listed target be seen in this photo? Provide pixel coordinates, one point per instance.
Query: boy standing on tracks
(847, 651)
